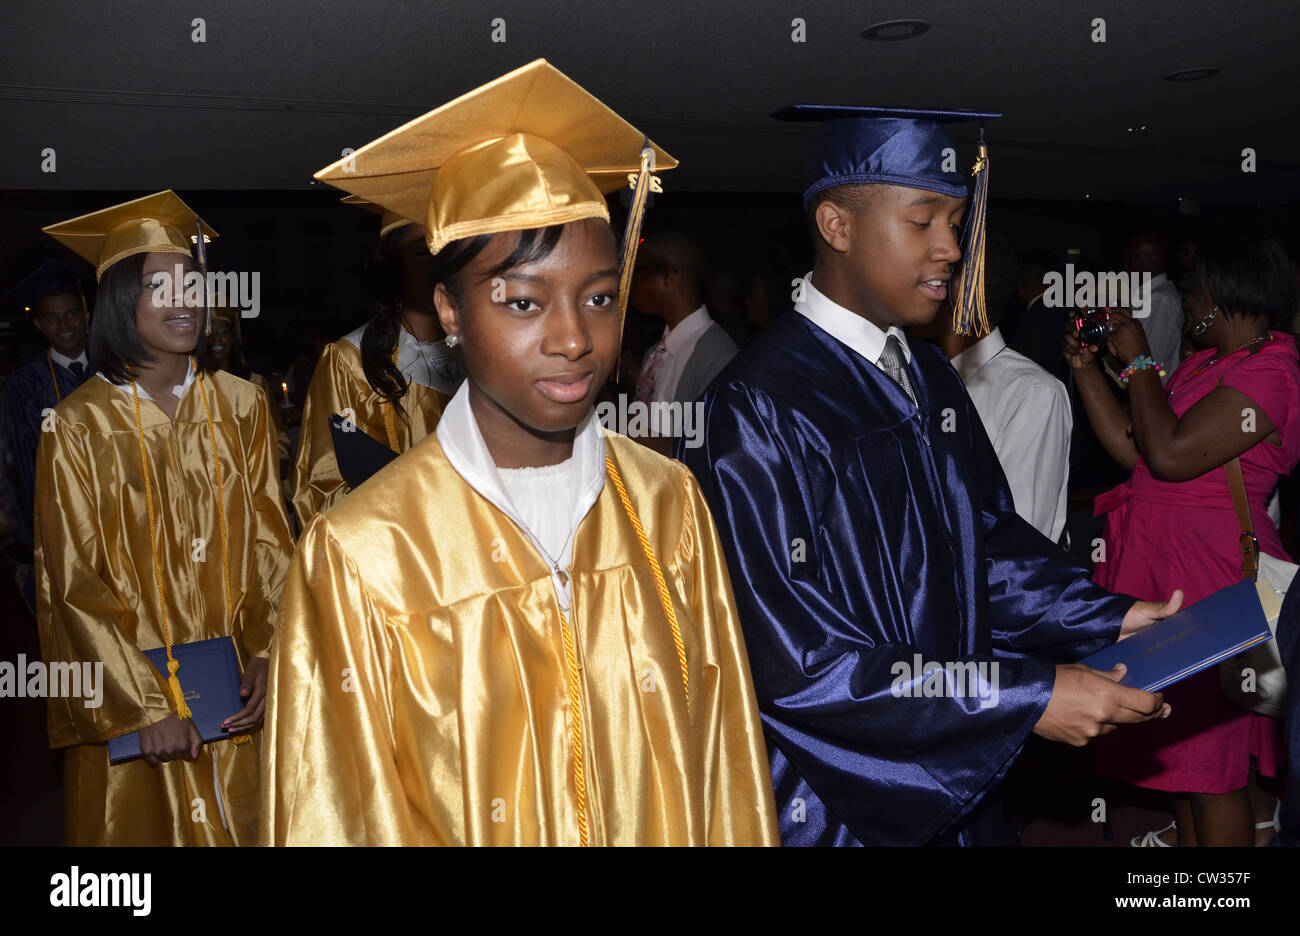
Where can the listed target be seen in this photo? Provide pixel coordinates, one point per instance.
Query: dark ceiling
(128, 102)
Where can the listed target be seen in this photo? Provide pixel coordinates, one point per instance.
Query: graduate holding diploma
(870, 531)
(520, 631)
(159, 522)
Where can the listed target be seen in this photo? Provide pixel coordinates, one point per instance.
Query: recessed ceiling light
(1137, 129)
(895, 30)
(1192, 74)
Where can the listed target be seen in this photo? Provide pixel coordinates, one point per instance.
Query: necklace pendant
(564, 576)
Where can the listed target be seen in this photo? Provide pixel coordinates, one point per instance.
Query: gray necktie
(893, 364)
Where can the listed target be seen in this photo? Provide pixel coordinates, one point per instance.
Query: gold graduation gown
(97, 599)
(418, 686)
(339, 384)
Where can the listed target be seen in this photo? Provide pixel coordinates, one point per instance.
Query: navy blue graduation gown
(28, 392)
(860, 531)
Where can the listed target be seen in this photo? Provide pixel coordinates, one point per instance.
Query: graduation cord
(579, 752)
(58, 397)
(571, 654)
(178, 696)
(655, 568)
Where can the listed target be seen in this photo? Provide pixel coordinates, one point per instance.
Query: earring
(1204, 323)
(452, 340)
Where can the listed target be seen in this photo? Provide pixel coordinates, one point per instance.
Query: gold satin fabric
(339, 382)
(97, 600)
(418, 686)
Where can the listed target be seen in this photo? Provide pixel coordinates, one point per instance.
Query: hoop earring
(1204, 323)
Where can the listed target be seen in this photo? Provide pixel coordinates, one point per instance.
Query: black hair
(383, 330)
(114, 346)
(534, 244)
(680, 251)
(854, 198)
(1247, 273)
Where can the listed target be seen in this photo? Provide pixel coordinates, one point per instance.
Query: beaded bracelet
(1141, 362)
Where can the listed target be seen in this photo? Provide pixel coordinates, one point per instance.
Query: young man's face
(540, 349)
(899, 252)
(62, 320)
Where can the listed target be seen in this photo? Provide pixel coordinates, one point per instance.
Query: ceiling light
(895, 30)
(1192, 74)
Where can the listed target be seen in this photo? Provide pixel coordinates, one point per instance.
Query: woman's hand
(1079, 357)
(1127, 339)
(253, 690)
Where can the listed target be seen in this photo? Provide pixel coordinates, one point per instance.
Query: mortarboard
(158, 223)
(390, 221)
(905, 147)
(527, 150)
(51, 278)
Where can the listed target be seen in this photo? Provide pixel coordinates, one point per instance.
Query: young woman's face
(540, 339)
(162, 320)
(222, 341)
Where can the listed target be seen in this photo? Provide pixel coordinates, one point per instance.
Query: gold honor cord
(575, 705)
(658, 572)
(178, 696)
(58, 397)
(571, 654)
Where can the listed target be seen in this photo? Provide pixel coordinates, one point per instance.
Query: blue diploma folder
(209, 675)
(1217, 627)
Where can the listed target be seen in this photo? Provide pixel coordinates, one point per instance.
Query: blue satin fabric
(1288, 646)
(910, 546)
(889, 150)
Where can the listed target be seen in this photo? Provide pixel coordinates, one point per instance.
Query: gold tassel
(631, 241)
(182, 710)
(969, 314)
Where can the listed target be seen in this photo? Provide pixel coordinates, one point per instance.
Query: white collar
(178, 391)
(463, 444)
(429, 363)
(687, 330)
(977, 355)
(851, 329)
(64, 361)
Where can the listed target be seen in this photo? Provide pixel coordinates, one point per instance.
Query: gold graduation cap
(158, 223)
(390, 221)
(527, 150)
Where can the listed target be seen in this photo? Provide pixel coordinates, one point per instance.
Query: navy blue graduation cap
(51, 278)
(903, 146)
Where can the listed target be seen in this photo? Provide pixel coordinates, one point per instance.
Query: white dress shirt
(65, 361)
(848, 327)
(1163, 323)
(679, 343)
(583, 474)
(1026, 413)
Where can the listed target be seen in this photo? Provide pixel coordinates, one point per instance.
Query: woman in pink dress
(1172, 524)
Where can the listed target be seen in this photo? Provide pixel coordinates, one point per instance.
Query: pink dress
(1164, 535)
